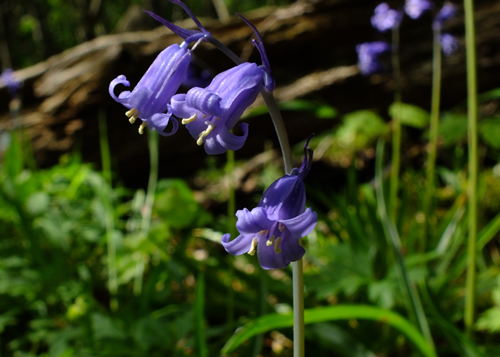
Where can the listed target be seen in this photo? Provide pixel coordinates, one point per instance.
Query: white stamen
(143, 125)
(277, 242)
(189, 120)
(132, 114)
(253, 245)
(205, 133)
(270, 241)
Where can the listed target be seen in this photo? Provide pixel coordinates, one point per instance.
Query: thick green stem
(433, 136)
(396, 127)
(470, 41)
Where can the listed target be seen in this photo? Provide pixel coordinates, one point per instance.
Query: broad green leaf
(453, 128)
(330, 313)
(410, 115)
(489, 129)
(37, 203)
(361, 126)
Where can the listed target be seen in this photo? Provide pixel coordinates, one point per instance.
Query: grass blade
(331, 313)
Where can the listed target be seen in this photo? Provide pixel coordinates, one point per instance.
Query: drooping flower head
(369, 54)
(449, 43)
(415, 8)
(274, 228)
(151, 96)
(447, 11)
(385, 18)
(210, 113)
(10, 81)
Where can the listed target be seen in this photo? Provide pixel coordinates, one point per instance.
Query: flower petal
(121, 79)
(252, 221)
(292, 250)
(229, 141)
(239, 245)
(179, 107)
(205, 101)
(268, 258)
(302, 225)
(159, 122)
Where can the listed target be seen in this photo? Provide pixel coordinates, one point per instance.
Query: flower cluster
(274, 228)
(369, 54)
(449, 43)
(209, 110)
(9, 80)
(385, 18)
(209, 113)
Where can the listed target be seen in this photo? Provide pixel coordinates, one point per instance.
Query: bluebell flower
(415, 8)
(369, 56)
(210, 113)
(449, 43)
(447, 11)
(10, 81)
(385, 18)
(151, 97)
(274, 228)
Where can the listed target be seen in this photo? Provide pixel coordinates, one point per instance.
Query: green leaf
(489, 129)
(330, 313)
(319, 110)
(37, 203)
(13, 160)
(410, 115)
(453, 128)
(360, 127)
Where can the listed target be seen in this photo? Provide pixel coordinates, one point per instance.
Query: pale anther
(270, 241)
(253, 245)
(132, 114)
(205, 133)
(189, 120)
(143, 125)
(277, 242)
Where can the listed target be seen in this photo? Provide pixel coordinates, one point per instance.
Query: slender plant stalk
(414, 304)
(110, 241)
(148, 205)
(104, 143)
(433, 136)
(470, 41)
(231, 228)
(297, 267)
(396, 127)
(298, 275)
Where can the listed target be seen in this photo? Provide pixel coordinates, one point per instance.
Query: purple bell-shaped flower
(274, 228)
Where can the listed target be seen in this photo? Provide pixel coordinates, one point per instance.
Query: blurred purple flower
(274, 228)
(447, 11)
(369, 56)
(10, 81)
(197, 76)
(385, 18)
(449, 43)
(210, 113)
(415, 8)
